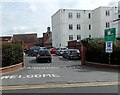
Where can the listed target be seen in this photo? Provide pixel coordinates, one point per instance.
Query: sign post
(109, 36)
(109, 48)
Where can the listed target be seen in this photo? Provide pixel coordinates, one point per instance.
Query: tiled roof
(5, 38)
(25, 37)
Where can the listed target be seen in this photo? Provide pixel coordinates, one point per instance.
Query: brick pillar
(22, 45)
(82, 54)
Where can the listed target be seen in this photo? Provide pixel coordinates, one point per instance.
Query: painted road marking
(43, 67)
(34, 68)
(29, 76)
(59, 85)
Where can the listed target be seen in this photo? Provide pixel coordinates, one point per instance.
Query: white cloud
(36, 14)
(48, 1)
(102, 2)
(32, 8)
(19, 29)
(30, 32)
(113, 3)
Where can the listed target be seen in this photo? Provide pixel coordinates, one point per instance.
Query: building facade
(27, 40)
(119, 19)
(116, 18)
(47, 38)
(70, 24)
(5, 39)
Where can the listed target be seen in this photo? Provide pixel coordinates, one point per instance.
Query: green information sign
(110, 34)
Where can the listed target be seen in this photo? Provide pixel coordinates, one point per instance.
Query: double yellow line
(59, 85)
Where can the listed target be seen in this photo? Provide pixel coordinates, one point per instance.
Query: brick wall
(11, 68)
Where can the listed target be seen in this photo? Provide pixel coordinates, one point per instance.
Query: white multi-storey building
(71, 24)
(119, 18)
(116, 17)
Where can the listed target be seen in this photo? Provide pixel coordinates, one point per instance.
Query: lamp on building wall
(78, 44)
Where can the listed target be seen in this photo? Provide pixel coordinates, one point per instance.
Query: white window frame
(90, 26)
(78, 27)
(78, 15)
(70, 15)
(70, 37)
(107, 25)
(70, 27)
(78, 37)
(107, 13)
(89, 15)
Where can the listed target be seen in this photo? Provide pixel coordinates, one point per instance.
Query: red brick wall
(28, 45)
(11, 68)
(74, 45)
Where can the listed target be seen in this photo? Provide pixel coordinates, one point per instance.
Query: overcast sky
(34, 16)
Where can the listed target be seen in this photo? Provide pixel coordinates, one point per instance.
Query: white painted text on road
(43, 67)
(30, 76)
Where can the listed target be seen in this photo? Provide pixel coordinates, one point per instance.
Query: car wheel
(37, 61)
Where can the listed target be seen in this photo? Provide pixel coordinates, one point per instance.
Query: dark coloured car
(33, 50)
(26, 50)
(72, 54)
(44, 56)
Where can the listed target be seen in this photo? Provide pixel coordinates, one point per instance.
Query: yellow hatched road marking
(58, 85)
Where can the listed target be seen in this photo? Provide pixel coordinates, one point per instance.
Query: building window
(70, 37)
(107, 12)
(118, 11)
(70, 27)
(78, 37)
(78, 27)
(107, 24)
(69, 15)
(78, 15)
(89, 15)
(89, 27)
(89, 36)
(118, 16)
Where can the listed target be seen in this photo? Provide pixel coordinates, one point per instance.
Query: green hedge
(11, 54)
(95, 51)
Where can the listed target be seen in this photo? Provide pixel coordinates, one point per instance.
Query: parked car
(53, 50)
(61, 50)
(72, 54)
(33, 50)
(26, 50)
(44, 55)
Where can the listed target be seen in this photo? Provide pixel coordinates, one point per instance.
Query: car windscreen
(73, 51)
(63, 48)
(44, 52)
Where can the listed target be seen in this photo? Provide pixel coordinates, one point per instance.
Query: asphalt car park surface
(59, 71)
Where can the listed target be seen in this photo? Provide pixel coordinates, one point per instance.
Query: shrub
(11, 54)
(95, 51)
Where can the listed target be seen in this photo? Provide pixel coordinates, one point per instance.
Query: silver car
(61, 50)
(72, 54)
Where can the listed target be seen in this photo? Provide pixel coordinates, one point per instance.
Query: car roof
(45, 50)
(72, 49)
